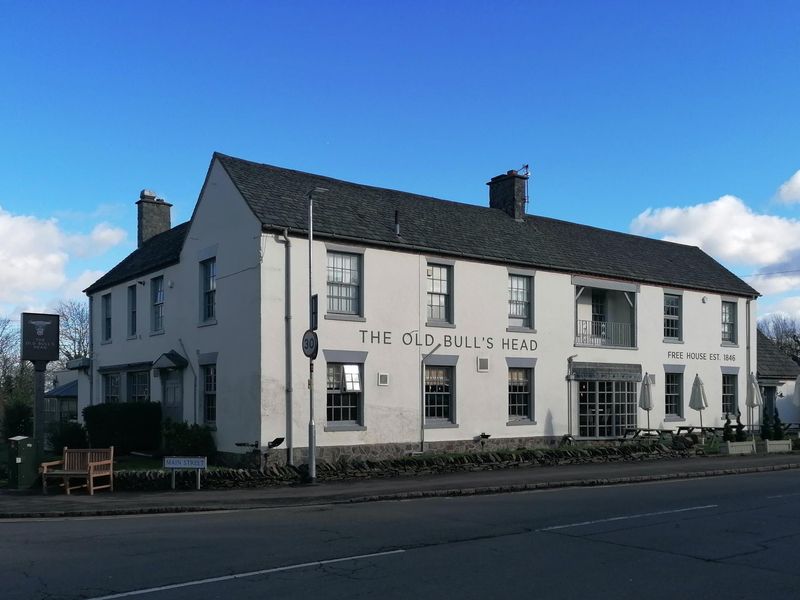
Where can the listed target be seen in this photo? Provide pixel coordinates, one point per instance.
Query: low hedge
(128, 426)
(222, 478)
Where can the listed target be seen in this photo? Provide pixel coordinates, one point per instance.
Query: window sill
(674, 419)
(729, 345)
(344, 427)
(159, 332)
(133, 337)
(440, 324)
(338, 317)
(517, 329)
(105, 342)
(441, 425)
(520, 422)
(672, 341)
(211, 426)
(207, 323)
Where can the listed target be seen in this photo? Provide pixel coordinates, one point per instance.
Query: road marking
(783, 496)
(626, 517)
(175, 586)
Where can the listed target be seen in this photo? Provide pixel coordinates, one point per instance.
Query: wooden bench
(85, 463)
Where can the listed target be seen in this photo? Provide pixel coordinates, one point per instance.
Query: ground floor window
(520, 394)
(729, 394)
(139, 386)
(438, 393)
(344, 397)
(606, 408)
(210, 394)
(673, 394)
(111, 387)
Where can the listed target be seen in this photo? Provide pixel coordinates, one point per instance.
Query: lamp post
(312, 428)
(422, 397)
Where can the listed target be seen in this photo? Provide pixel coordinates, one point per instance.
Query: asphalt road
(731, 537)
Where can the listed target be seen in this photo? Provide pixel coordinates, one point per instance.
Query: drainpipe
(194, 376)
(91, 351)
(288, 345)
(749, 366)
(569, 394)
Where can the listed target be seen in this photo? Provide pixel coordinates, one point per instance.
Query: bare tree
(74, 338)
(784, 331)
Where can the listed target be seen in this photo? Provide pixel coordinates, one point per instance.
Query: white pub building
(440, 323)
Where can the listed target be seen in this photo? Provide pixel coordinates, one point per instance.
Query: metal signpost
(310, 341)
(185, 463)
(40, 333)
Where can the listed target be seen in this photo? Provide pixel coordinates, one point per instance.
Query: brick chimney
(154, 216)
(508, 193)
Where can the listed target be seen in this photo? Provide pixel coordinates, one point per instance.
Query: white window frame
(210, 394)
(337, 276)
(733, 395)
(729, 327)
(138, 391)
(675, 320)
(208, 290)
(515, 394)
(520, 321)
(107, 322)
(111, 383)
(157, 304)
(435, 285)
(344, 379)
(673, 390)
(132, 311)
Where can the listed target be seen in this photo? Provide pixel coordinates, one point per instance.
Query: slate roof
(68, 390)
(365, 214)
(772, 363)
(159, 252)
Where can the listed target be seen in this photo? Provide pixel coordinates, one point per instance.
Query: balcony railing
(603, 333)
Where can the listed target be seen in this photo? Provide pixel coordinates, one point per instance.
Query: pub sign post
(40, 333)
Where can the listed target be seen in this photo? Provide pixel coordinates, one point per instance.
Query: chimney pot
(509, 193)
(153, 216)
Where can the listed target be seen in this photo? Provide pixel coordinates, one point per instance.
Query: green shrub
(727, 429)
(777, 427)
(127, 426)
(741, 434)
(766, 426)
(69, 434)
(182, 438)
(17, 418)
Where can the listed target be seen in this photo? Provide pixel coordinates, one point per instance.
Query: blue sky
(688, 109)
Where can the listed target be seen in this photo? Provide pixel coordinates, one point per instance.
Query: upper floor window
(345, 399)
(132, 318)
(599, 312)
(440, 298)
(208, 300)
(729, 322)
(673, 394)
(106, 312)
(157, 303)
(344, 283)
(672, 317)
(519, 301)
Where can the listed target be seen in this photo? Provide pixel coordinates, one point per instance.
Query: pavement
(34, 504)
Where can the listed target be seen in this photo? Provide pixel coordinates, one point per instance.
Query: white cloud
(725, 228)
(789, 192)
(787, 306)
(34, 254)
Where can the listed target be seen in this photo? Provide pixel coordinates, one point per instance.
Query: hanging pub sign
(39, 336)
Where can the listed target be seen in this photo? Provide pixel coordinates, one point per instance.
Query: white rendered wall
(222, 226)
(395, 306)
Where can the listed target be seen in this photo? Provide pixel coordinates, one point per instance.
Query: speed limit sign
(310, 344)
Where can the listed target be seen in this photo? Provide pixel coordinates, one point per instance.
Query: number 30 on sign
(310, 344)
